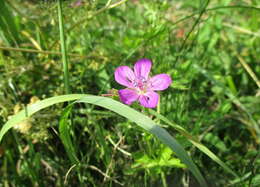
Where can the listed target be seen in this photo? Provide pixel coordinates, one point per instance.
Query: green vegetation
(206, 127)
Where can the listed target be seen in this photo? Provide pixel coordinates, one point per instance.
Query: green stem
(164, 183)
(65, 65)
(89, 17)
(63, 49)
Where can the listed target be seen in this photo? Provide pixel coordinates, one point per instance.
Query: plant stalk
(63, 49)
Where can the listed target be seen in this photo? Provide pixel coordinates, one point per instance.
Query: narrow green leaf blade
(121, 109)
(195, 142)
(64, 131)
(7, 23)
(149, 125)
(30, 110)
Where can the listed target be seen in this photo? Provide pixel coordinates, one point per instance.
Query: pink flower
(140, 86)
(76, 3)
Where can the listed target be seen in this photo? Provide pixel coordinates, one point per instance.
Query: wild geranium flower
(140, 86)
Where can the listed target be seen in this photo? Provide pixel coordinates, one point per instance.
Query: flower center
(141, 85)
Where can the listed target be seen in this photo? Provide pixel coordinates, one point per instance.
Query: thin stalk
(89, 17)
(63, 49)
(164, 183)
(41, 51)
(201, 12)
(66, 68)
(249, 70)
(33, 174)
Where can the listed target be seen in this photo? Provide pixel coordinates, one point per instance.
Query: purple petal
(160, 82)
(149, 99)
(125, 76)
(142, 68)
(128, 96)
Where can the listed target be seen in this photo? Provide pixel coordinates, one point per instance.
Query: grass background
(210, 49)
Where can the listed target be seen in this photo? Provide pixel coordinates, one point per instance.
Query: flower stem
(63, 49)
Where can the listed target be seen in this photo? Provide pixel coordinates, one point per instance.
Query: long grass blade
(64, 130)
(63, 49)
(119, 108)
(195, 142)
(7, 24)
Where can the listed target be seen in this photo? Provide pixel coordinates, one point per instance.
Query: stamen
(135, 84)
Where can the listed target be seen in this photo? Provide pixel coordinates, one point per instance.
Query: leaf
(215, 141)
(7, 24)
(65, 135)
(144, 161)
(149, 125)
(256, 180)
(194, 141)
(119, 108)
(30, 110)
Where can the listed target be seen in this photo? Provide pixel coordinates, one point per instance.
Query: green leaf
(7, 24)
(194, 141)
(166, 160)
(215, 141)
(149, 125)
(65, 135)
(256, 180)
(119, 108)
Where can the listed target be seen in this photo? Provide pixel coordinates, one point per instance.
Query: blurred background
(209, 47)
